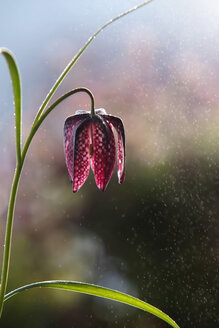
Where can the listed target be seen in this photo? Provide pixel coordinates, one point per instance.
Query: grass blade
(78, 55)
(99, 291)
(16, 85)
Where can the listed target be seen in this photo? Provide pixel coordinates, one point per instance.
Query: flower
(89, 141)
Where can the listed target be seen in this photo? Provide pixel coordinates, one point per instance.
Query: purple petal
(104, 152)
(70, 124)
(118, 125)
(77, 152)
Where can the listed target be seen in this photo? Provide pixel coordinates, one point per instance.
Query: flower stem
(37, 124)
(14, 188)
(41, 115)
(8, 235)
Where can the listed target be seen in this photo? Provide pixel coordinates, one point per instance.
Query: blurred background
(155, 236)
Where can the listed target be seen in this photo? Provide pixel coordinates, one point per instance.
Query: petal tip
(122, 178)
(74, 190)
(102, 188)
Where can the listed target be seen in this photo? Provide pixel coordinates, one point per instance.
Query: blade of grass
(99, 291)
(78, 55)
(16, 85)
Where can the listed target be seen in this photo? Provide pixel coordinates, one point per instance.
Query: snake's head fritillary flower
(89, 141)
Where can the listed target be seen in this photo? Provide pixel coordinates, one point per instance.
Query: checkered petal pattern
(104, 151)
(77, 151)
(118, 125)
(89, 141)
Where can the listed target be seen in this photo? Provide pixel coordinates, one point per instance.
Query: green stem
(15, 184)
(8, 235)
(41, 115)
(46, 113)
(78, 55)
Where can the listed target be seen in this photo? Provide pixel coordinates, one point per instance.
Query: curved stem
(12, 201)
(46, 113)
(78, 55)
(41, 115)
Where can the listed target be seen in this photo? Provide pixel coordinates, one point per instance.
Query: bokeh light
(155, 236)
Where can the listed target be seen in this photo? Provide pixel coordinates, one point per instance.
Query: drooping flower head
(89, 141)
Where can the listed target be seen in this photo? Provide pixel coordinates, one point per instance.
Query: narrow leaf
(16, 85)
(78, 55)
(99, 291)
